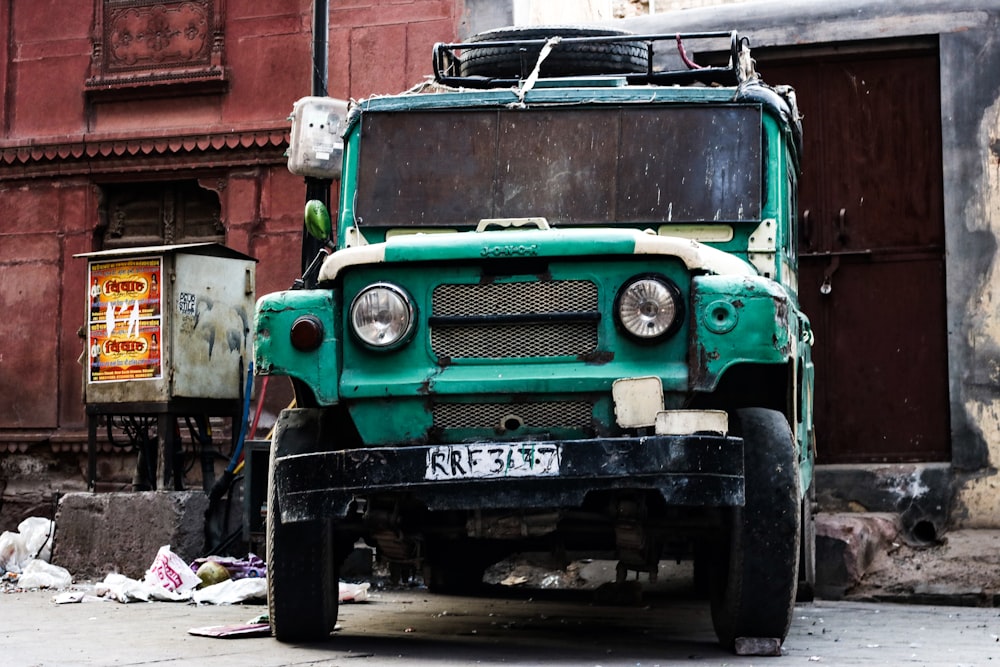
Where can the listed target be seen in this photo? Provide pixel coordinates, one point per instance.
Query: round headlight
(649, 307)
(382, 315)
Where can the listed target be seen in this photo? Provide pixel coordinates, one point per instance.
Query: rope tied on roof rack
(529, 83)
(684, 56)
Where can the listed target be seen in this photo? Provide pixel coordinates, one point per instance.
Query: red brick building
(134, 122)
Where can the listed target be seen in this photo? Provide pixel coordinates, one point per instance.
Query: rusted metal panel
(691, 470)
(584, 166)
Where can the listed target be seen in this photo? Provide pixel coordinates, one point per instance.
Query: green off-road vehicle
(559, 314)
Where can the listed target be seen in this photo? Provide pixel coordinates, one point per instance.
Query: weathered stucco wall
(965, 492)
(978, 497)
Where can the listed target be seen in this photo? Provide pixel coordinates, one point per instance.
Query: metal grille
(551, 296)
(516, 339)
(551, 414)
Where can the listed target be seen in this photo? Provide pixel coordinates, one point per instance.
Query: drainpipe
(318, 188)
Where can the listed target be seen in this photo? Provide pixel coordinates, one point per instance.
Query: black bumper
(690, 470)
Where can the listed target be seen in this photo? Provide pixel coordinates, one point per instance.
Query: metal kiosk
(168, 336)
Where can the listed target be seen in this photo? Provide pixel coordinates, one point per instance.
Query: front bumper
(686, 470)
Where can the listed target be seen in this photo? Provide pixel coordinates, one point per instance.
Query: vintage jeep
(560, 314)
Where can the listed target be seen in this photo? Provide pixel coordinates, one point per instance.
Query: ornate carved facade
(148, 44)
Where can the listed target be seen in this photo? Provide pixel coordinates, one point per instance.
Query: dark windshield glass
(572, 166)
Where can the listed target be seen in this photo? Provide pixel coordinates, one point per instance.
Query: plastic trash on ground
(39, 574)
(232, 591)
(239, 568)
(354, 592)
(168, 579)
(72, 597)
(171, 572)
(33, 540)
(123, 589)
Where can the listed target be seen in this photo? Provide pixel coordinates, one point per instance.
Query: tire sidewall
(756, 575)
(302, 599)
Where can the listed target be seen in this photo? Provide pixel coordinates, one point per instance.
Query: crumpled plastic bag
(249, 589)
(74, 596)
(33, 540)
(123, 589)
(232, 591)
(39, 574)
(354, 592)
(170, 572)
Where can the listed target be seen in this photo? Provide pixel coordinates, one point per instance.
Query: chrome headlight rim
(402, 333)
(670, 289)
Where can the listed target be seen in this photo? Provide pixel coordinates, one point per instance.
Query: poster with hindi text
(125, 332)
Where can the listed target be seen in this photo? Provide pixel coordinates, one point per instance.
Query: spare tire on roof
(504, 62)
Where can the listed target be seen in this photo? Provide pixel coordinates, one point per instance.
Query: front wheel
(302, 582)
(754, 579)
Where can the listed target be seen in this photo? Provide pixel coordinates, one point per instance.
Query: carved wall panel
(150, 43)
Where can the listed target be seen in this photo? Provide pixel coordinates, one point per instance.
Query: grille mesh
(550, 296)
(513, 340)
(550, 414)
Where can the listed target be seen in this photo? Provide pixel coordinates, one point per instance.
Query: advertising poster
(125, 331)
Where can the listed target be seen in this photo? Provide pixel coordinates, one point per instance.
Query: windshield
(631, 165)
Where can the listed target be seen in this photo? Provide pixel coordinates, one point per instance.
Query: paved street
(412, 627)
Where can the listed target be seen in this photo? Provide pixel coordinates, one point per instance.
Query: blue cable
(243, 426)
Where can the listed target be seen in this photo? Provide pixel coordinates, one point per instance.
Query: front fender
(273, 350)
(740, 320)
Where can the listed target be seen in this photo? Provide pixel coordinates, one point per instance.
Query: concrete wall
(966, 491)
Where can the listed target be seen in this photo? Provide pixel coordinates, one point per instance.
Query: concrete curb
(121, 532)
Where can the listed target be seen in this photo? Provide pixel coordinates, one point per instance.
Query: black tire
(754, 582)
(504, 62)
(807, 550)
(702, 568)
(302, 585)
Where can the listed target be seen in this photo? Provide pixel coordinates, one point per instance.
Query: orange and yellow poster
(125, 334)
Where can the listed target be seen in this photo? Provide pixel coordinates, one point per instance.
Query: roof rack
(448, 60)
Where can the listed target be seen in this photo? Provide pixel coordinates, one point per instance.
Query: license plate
(492, 461)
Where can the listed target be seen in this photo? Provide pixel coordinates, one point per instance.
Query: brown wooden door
(872, 251)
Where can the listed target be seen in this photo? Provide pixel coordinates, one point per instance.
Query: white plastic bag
(169, 571)
(38, 532)
(39, 574)
(232, 591)
(354, 592)
(33, 539)
(123, 589)
(13, 553)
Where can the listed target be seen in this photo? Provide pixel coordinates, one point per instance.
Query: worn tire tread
(755, 583)
(301, 575)
(564, 59)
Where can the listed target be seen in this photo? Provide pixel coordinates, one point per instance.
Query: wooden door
(872, 250)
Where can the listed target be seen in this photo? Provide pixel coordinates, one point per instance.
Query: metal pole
(318, 188)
